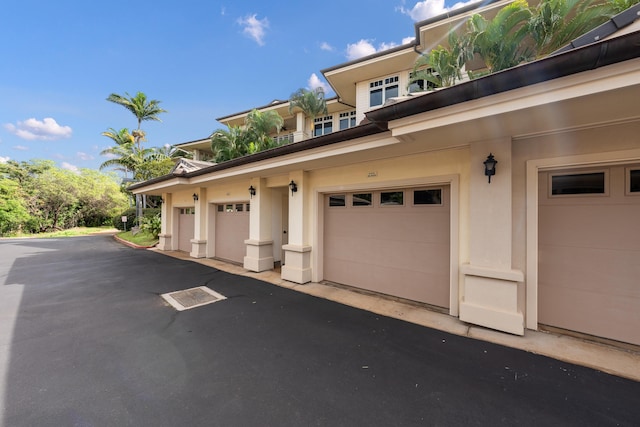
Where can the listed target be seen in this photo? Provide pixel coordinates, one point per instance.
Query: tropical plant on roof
(311, 102)
(500, 41)
(443, 66)
(229, 144)
(555, 23)
(259, 126)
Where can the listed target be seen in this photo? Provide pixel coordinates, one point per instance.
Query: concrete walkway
(617, 361)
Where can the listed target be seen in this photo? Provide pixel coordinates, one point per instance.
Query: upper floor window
(381, 90)
(323, 125)
(419, 84)
(347, 120)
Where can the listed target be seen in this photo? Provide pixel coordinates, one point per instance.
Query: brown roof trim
(586, 58)
(359, 131)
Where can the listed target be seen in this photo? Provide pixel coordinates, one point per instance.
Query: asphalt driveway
(86, 340)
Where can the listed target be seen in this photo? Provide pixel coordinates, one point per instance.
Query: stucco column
(259, 255)
(297, 266)
(166, 218)
(199, 241)
(490, 285)
(300, 133)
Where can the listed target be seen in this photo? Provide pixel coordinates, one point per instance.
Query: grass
(71, 232)
(141, 238)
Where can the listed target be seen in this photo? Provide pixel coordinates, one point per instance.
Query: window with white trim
(323, 125)
(381, 90)
(347, 120)
(634, 180)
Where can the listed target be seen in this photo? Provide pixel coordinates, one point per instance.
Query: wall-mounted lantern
(252, 192)
(490, 166)
(293, 187)
(195, 197)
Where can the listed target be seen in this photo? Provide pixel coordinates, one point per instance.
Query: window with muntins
(323, 126)
(347, 120)
(381, 90)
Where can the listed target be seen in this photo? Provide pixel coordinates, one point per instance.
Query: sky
(203, 59)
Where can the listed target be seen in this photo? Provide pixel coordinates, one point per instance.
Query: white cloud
(366, 47)
(360, 49)
(84, 156)
(20, 148)
(70, 167)
(314, 82)
(408, 39)
(254, 28)
(4, 159)
(326, 46)
(47, 129)
(429, 8)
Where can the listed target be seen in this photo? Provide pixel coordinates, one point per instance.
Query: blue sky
(202, 59)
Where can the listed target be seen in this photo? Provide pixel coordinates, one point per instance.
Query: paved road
(86, 340)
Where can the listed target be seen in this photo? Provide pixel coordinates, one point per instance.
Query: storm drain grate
(191, 298)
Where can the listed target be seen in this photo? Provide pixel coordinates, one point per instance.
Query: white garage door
(185, 228)
(393, 242)
(232, 229)
(589, 251)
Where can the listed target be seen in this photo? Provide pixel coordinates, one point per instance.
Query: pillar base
(198, 248)
(259, 255)
(164, 243)
(491, 298)
(297, 266)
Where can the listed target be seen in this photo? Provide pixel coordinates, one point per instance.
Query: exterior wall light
(490, 166)
(195, 197)
(293, 187)
(252, 191)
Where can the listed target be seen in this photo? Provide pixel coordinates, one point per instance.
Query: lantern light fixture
(252, 191)
(490, 166)
(293, 187)
(195, 197)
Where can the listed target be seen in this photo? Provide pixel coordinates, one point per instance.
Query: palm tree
(555, 23)
(259, 125)
(229, 144)
(499, 41)
(142, 108)
(310, 102)
(121, 153)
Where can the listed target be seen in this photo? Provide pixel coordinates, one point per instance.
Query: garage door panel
(395, 250)
(394, 281)
(584, 226)
(593, 270)
(186, 226)
(589, 258)
(599, 314)
(232, 229)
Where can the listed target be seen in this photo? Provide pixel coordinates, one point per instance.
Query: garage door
(232, 229)
(185, 228)
(589, 251)
(393, 242)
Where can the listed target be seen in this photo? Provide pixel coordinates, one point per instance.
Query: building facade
(389, 191)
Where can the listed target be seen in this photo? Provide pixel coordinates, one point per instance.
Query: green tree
(500, 41)
(121, 153)
(555, 23)
(618, 6)
(13, 212)
(311, 102)
(140, 107)
(229, 144)
(259, 126)
(442, 67)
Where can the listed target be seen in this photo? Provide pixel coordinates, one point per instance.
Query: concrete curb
(130, 244)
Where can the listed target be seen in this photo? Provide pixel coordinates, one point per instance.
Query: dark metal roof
(362, 130)
(575, 61)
